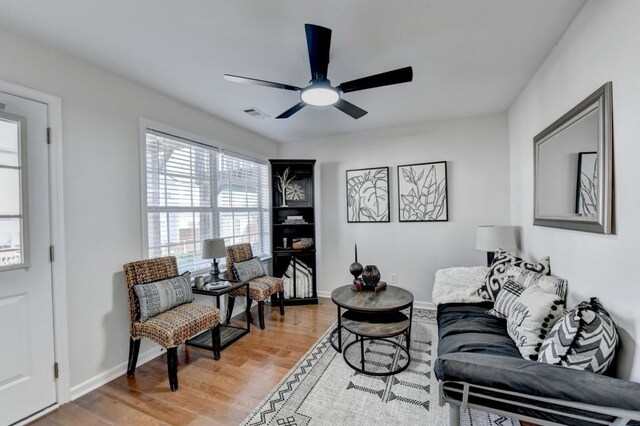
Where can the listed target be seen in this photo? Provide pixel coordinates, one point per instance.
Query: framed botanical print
(587, 185)
(368, 195)
(422, 192)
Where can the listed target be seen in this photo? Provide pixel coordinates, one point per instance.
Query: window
(194, 192)
(13, 229)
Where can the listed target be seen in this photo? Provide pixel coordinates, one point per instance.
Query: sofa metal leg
(215, 341)
(454, 415)
(281, 297)
(232, 301)
(261, 314)
(172, 367)
(134, 349)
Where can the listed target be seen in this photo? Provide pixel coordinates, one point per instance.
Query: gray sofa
(479, 366)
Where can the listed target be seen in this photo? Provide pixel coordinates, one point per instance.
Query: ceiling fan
(320, 92)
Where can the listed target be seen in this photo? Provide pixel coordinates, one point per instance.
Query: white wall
(476, 150)
(601, 45)
(102, 188)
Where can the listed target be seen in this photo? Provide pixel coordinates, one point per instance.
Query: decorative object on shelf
(214, 248)
(422, 192)
(587, 185)
(282, 183)
(368, 195)
(296, 191)
(300, 276)
(285, 241)
(295, 220)
(371, 277)
(356, 268)
(302, 243)
(490, 238)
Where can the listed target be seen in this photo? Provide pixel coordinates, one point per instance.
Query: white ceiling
(469, 57)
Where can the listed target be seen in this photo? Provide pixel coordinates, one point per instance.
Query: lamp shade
(491, 238)
(213, 248)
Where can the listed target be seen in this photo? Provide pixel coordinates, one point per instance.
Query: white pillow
(531, 312)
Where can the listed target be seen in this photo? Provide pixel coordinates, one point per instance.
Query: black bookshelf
(299, 263)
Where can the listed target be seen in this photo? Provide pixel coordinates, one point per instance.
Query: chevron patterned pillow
(585, 339)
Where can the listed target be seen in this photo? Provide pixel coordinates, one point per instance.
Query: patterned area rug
(323, 390)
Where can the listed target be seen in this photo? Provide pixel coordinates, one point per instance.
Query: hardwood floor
(211, 392)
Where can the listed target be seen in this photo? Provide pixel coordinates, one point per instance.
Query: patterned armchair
(260, 289)
(170, 328)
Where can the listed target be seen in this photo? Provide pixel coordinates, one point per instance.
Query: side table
(228, 333)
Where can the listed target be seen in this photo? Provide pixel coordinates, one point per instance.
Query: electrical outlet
(393, 278)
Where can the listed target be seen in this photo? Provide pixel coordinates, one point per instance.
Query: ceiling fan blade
(319, 44)
(238, 79)
(288, 113)
(350, 109)
(402, 75)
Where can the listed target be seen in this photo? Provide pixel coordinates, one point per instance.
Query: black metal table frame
(339, 349)
(217, 293)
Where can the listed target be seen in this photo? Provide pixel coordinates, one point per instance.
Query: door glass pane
(9, 191)
(9, 132)
(10, 242)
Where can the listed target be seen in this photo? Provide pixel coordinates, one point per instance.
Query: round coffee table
(372, 316)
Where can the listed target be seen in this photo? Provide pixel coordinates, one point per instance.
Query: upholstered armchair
(260, 288)
(171, 328)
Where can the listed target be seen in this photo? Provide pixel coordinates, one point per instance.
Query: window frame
(24, 194)
(147, 125)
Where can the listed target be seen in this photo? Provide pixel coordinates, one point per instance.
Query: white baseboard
(107, 376)
(416, 304)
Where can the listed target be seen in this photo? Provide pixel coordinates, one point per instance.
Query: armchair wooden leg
(261, 314)
(215, 340)
(249, 311)
(172, 367)
(232, 302)
(134, 349)
(281, 297)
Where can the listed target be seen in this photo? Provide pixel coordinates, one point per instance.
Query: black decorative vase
(371, 277)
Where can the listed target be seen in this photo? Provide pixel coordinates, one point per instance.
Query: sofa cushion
(467, 328)
(160, 296)
(538, 379)
(498, 272)
(584, 339)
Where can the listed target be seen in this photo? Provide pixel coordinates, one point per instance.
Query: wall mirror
(573, 163)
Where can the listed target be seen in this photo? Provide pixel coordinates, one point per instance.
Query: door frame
(56, 219)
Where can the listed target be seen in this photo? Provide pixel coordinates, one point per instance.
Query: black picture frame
(306, 185)
(410, 198)
(371, 186)
(586, 186)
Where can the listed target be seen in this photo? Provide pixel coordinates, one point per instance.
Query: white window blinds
(195, 192)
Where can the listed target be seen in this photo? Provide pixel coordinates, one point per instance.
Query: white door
(27, 382)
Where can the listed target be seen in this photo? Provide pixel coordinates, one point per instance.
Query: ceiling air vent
(255, 113)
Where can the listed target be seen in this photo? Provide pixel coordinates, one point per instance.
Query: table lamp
(213, 249)
(490, 238)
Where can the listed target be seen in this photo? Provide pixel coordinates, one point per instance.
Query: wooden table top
(390, 299)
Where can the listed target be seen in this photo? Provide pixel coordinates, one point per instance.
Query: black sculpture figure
(355, 269)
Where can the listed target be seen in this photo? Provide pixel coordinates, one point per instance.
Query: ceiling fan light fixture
(319, 96)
